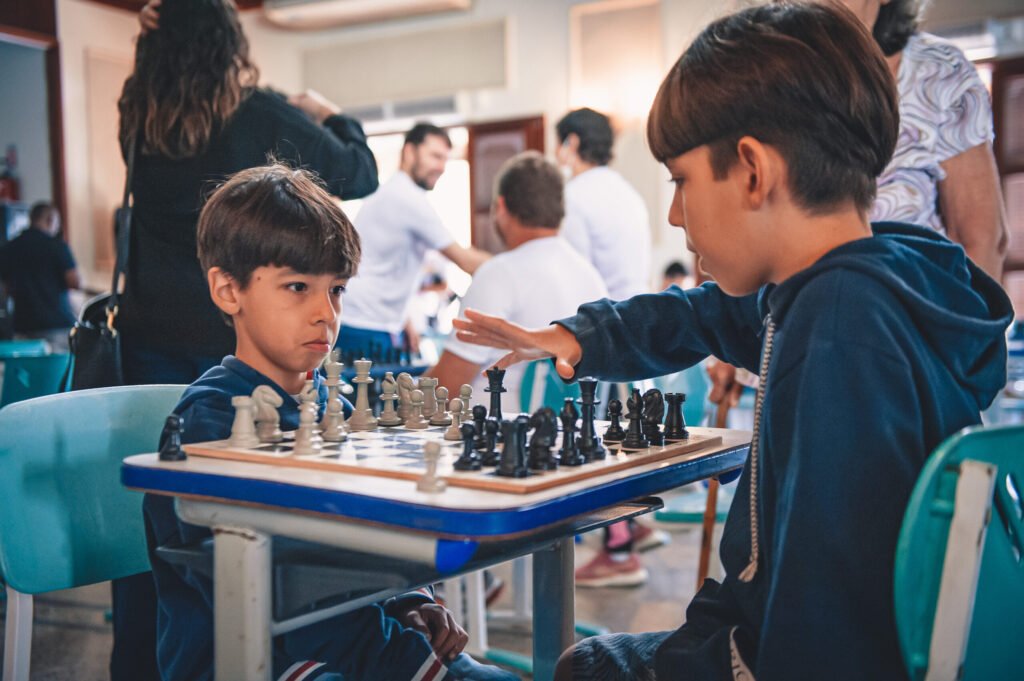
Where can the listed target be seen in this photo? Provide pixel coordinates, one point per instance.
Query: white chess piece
(405, 387)
(430, 482)
(362, 416)
(389, 395)
(243, 428)
(332, 425)
(453, 432)
(268, 419)
(428, 385)
(310, 395)
(306, 440)
(416, 420)
(466, 395)
(441, 417)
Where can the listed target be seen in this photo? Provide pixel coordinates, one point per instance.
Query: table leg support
(241, 585)
(553, 607)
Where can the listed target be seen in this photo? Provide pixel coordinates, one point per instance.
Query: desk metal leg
(241, 605)
(553, 607)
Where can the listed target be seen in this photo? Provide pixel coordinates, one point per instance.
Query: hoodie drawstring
(766, 356)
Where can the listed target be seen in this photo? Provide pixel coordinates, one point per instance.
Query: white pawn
(430, 482)
(306, 440)
(441, 417)
(268, 420)
(453, 432)
(389, 394)
(243, 429)
(466, 395)
(416, 420)
(332, 426)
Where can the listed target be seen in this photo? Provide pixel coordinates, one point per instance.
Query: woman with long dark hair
(193, 106)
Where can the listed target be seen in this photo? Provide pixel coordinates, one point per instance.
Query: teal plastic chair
(28, 377)
(541, 386)
(959, 578)
(65, 519)
(23, 348)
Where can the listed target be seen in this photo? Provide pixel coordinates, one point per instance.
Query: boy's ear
(759, 171)
(224, 291)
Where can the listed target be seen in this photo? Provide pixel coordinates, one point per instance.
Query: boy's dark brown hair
(276, 216)
(807, 79)
(532, 189)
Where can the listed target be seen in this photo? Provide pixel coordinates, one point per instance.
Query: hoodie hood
(959, 312)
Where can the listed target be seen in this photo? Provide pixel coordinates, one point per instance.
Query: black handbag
(95, 343)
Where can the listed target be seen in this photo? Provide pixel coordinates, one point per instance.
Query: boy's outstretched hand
(522, 344)
(436, 622)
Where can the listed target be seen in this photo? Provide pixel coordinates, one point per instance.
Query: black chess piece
(634, 433)
(491, 456)
(615, 432)
(513, 453)
(495, 376)
(171, 449)
(589, 443)
(479, 416)
(675, 423)
(545, 430)
(570, 452)
(469, 460)
(654, 412)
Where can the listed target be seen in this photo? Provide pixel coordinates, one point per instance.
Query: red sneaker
(603, 570)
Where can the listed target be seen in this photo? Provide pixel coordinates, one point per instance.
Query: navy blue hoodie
(363, 645)
(882, 349)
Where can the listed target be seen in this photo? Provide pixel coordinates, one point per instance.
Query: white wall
(23, 93)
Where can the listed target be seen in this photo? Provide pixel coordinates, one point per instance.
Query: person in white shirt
(606, 219)
(397, 226)
(539, 278)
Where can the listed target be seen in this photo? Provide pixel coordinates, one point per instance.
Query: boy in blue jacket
(873, 343)
(278, 251)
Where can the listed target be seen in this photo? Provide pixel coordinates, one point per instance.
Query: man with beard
(397, 226)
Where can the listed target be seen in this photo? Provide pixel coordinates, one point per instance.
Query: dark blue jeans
(133, 599)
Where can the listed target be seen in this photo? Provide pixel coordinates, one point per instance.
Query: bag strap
(124, 225)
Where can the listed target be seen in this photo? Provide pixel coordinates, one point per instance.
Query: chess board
(398, 453)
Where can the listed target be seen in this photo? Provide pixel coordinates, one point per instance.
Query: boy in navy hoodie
(278, 251)
(873, 343)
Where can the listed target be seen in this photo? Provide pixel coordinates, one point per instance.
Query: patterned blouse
(944, 111)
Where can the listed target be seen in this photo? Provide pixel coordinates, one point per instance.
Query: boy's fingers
(414, 620)
(477, 339)
(564, 369)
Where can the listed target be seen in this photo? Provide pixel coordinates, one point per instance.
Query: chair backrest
(541, 386)
(23, 348)
(65, 519)
(28, 377)
(974, 479)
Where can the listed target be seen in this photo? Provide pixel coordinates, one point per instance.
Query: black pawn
(615, 432)
(470, 460)
(634, 434)
(570, 453)
(654, 413)
(675, 424)
(589, 443)
(513, 453)
(491, 456)
(171, 449)
(545, 429)
(479, 416)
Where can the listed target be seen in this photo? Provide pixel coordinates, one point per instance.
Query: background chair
(32, 376)
(959, 575)
(23, 348)
(65, 519)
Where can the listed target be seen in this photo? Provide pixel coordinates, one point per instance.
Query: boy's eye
(297, 286)
(676, 181)
(337, 290)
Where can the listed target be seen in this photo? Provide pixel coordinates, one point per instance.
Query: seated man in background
(539, 278)
(38, 270)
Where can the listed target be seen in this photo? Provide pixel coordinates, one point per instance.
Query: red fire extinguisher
(10, 186)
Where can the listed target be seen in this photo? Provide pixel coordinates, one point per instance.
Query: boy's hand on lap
(523, 344)
(438, 624)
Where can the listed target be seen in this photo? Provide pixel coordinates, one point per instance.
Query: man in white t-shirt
(605, 218)
(397, 226)
(539, 278)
